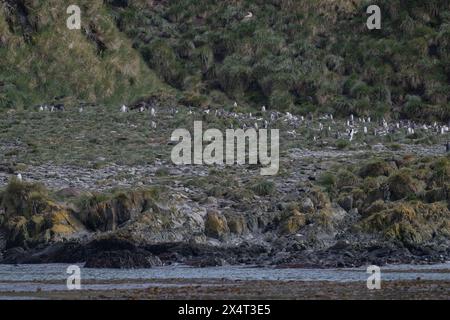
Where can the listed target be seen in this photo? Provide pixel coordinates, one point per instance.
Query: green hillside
(42, 59)
(303, 56)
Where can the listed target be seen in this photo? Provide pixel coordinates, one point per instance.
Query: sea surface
(53, 277)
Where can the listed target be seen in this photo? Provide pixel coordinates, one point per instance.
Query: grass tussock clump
(402, 185)
(376, 168)
(264, 187)
(31, 215)
(24, 199)
(411, 223)
(105, 212)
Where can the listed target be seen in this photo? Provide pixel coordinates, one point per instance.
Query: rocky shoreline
(371, 202)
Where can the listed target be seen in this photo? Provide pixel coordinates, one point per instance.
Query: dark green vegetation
(291, 55)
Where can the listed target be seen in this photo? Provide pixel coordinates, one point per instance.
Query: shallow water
(47, 277)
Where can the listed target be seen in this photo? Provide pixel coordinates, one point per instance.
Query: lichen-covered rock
(291, 222)
(236, 224)
(320, 199)
(307, 206)
(411, 223)
(63, 224)
(106, 213)
(216, 225)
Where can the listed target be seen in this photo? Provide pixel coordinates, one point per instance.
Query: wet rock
(341, 245)
(13, 255)
(346, 202)
(207, 262)
(122, 259)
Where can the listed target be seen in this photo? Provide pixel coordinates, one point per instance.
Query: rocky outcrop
(292, 221)
(297, 225)
(122, 259)
(216, 225)
(31, 218)
(106, 213)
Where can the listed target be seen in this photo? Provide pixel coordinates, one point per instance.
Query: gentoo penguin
(41, 108)
(447, 147)
(365, 130)
(263, 109)
(80, 110)
(19, 177)
(272, 117)
(235, 104)
(352, 132)
(123, 108)
(249, 15)
(153, 124)
(153, 112)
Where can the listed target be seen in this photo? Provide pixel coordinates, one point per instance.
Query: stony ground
(103, 148)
